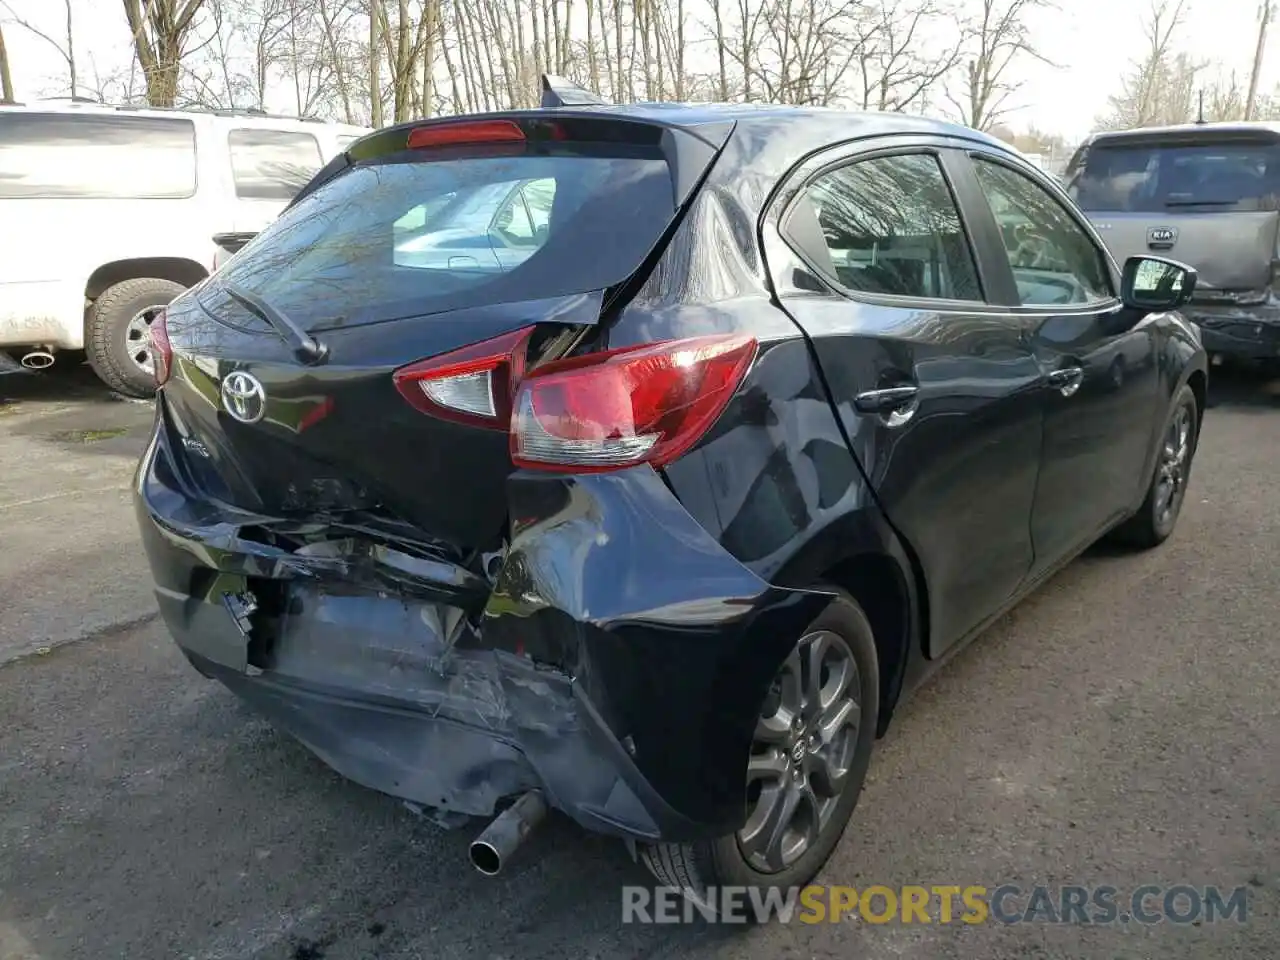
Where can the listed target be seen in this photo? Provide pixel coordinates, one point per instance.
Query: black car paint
(658, 605)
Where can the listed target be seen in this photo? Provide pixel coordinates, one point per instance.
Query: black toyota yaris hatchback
(635, 462)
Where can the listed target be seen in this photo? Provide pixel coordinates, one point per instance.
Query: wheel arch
(1198, 381)
(177, 269)
(863, 556)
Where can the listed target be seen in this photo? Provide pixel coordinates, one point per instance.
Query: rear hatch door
(1208, 198)
(429, 270)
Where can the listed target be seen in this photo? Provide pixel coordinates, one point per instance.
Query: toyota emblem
(243, 397)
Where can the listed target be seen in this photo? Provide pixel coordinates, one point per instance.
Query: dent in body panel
(775, 469)
(610, 578)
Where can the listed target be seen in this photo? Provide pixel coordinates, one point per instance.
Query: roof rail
(76, 99)
(559, 92)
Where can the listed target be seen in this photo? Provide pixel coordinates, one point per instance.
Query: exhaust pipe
(492, 849)
(37, 360)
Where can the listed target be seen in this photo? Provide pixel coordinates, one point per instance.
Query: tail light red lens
(471, 386)
(646, 404)
(161, 349)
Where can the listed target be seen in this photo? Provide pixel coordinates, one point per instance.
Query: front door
(1099, 361)
(935, 386)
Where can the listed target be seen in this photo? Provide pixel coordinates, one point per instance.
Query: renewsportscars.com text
(941, 904)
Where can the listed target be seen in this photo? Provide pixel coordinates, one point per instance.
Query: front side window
(890, 226)
(272, 164)
(1054, 261)
(82, 156)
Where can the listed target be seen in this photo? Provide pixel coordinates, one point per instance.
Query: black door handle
(886, 400)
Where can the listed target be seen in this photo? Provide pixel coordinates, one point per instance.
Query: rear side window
(890, 226)
(1156, 177)
(1054, 261)
(410, 237)
(77, 155)
(272, 164)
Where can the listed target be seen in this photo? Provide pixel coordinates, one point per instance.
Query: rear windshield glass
(1148, 178)
(402, 239)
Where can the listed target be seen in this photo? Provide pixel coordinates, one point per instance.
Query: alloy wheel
(1175, 460)
(137, 338)
(802, 752)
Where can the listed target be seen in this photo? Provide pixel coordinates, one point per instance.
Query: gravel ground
(1119, 728)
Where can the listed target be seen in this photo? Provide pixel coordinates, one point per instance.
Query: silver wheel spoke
(770, 766)
(837, 718)
(137, 338)
(770, 837)
(805, 741)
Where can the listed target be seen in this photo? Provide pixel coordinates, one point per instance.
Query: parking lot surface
(1122, 727)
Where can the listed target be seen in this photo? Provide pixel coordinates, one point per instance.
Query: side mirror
(1154, 283)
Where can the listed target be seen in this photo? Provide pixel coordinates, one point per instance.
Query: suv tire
(727, 861)
(115, 330)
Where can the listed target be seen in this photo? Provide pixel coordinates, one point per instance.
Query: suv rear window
(1150, 177)
(79, 155)
(409, 238)
(272, 164)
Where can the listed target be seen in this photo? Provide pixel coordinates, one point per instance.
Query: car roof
(1190, 131)
(771, 138)
(66, 106)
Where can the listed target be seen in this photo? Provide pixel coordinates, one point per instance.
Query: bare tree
(67, 51)
(1158, 88)
(6, 80)
(161, 29)
(896, 67)
(998, 36)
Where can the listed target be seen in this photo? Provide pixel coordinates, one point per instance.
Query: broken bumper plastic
(1245, 333)
(641, 729)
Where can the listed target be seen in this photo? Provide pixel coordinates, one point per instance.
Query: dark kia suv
(634, 462)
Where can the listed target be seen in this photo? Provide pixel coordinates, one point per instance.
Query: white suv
(108, 213)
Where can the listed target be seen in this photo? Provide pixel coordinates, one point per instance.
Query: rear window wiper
(306, 348)
(1201, 203)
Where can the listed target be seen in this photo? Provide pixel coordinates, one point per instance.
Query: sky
(1089, 42)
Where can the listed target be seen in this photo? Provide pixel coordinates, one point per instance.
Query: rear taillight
(646, 404)
(472, 386)
(161, 349)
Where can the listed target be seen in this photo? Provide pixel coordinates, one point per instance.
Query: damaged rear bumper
(1239, 332)
(617, 664)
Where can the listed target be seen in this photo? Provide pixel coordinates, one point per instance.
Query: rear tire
(1158, 515)
(840, 635)
(119, 350)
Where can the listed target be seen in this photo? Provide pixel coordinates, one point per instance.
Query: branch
(14, 18)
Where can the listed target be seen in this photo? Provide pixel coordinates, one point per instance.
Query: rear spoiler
(559, 92)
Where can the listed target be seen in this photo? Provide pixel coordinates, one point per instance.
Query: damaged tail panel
(569, 667)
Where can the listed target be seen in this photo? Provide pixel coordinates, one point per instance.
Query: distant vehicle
(109, 213)
(634, 461)
(1205, 194)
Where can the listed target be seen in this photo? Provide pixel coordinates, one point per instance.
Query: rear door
(1208, 198)
(1101, 387)
(935, 384)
